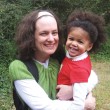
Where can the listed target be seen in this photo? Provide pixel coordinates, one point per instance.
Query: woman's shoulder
(16, 63)
(18, 70)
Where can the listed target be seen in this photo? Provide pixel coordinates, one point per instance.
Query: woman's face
(78, 42)
(46, 37)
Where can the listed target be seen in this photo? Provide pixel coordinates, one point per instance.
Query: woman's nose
(50, 37)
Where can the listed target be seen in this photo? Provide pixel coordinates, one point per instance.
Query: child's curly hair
(91, 23)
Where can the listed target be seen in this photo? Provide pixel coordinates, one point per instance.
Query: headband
(43, 14)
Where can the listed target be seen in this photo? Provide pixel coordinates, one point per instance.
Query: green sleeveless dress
(47, 76)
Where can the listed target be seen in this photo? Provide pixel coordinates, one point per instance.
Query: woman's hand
(65, 92)
(90, 102)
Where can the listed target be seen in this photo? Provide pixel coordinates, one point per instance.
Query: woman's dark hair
(91, 23)
(25, 37)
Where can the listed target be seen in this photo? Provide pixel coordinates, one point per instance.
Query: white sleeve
(80, 91)
(92, 81)
(79, 95)
(36, 98)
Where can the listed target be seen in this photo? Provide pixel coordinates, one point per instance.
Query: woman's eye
(43, 34)
(55, 33)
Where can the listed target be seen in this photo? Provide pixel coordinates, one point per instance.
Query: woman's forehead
(47, 21)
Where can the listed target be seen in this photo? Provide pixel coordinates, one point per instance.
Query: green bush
(7, 55)
(5, 88)
(7, 51)
(10, 15)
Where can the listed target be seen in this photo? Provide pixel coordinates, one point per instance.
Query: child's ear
(90, 47)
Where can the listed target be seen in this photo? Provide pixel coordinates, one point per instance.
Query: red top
(74, 71)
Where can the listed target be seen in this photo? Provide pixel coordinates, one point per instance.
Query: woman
(37, 38)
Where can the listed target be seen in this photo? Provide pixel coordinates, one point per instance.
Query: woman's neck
(41, 58)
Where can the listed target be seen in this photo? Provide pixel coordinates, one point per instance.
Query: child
(85, 33)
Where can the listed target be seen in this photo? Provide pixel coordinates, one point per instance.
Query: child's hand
(65, 92)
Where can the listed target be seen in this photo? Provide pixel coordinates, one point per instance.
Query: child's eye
(71, 38)
(81, 42)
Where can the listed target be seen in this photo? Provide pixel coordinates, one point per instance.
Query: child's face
(78, 42)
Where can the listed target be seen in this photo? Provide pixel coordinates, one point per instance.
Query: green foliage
(5, 88)
(10, 14)
(7, 51)
(103, 54)
(8, 18)
(11, 11)
(108, 30)
(7, 54)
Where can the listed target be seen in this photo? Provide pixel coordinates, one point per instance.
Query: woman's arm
(90, 101)
(36, 98)
(92, 81)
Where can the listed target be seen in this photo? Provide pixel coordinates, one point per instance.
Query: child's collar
(77, 58)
